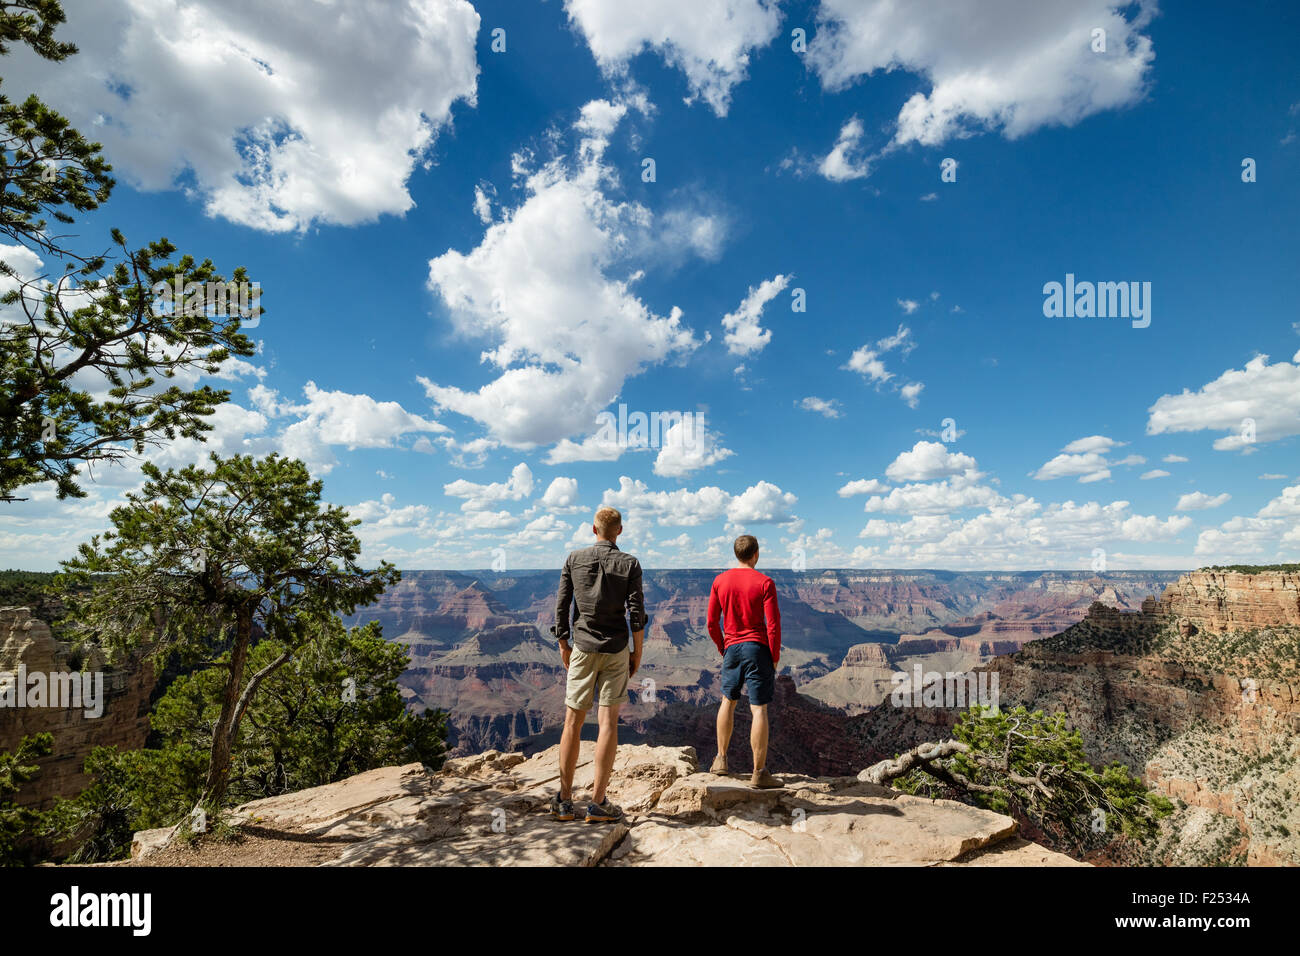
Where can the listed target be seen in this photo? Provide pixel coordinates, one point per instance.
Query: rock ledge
(490, 809)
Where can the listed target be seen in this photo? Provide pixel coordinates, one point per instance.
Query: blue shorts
(750, 664)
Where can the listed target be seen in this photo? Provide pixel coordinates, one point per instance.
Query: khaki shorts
(592, 674)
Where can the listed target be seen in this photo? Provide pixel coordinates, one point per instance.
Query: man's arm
(635, 598)
(635, 614)
(562, 604)
(715, 615)
(772, 611)
(634, 661)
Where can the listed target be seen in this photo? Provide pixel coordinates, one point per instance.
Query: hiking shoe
(719, 765)
(561, 809)
(762, 780)
(603, 812)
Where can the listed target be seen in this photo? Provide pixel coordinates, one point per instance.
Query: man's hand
(565, 651)
(634, 659)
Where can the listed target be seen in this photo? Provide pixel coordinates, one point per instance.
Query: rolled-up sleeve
(772, 612)
(562, 604)
(635, 599)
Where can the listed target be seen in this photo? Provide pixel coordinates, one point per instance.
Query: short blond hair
(607, 521)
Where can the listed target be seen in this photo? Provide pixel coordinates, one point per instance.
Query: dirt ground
(249, 846)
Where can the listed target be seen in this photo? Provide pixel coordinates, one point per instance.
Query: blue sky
(462, 266)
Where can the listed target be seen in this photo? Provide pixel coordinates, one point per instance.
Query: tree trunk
(918, 757)
(223, 735)
(254, 682)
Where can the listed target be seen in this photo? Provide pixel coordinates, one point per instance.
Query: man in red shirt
(749, 640)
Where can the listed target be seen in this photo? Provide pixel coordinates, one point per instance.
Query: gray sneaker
(561, 809)
(603, 812)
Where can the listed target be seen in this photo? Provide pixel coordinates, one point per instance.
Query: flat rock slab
(322, 807)
(518, 840)
(1016, 851)
(720, 821)
(491, 809)
(639, 775)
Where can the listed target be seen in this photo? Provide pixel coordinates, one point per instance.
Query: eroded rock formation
(1226, 601)
(124, 722)
(1198, 693)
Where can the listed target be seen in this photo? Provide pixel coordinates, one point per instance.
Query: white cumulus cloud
(1000, 65)
(828, 407)
(1200, 501)
(862, 486)
(479, 497)
(550, 288)
(561, 493)
(710, 42)
(928, 460)
(1262, 398)
(846, 160)
(281, 114)
(688, 446)
(744, 335)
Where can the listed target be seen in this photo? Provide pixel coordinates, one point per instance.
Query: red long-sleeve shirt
(745, 602)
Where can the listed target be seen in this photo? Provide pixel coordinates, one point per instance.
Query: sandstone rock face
(27, 641)
(490, 809)
(866, 678)
(1226, 601)
(867, 655)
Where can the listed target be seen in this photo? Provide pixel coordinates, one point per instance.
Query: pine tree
(86, 355)
(203, 560)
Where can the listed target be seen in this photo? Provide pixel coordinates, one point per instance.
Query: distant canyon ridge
(480, 646)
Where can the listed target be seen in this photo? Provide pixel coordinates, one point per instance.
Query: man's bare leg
(570, 742)
(606, 747)
(726, 721)
(758, 735)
